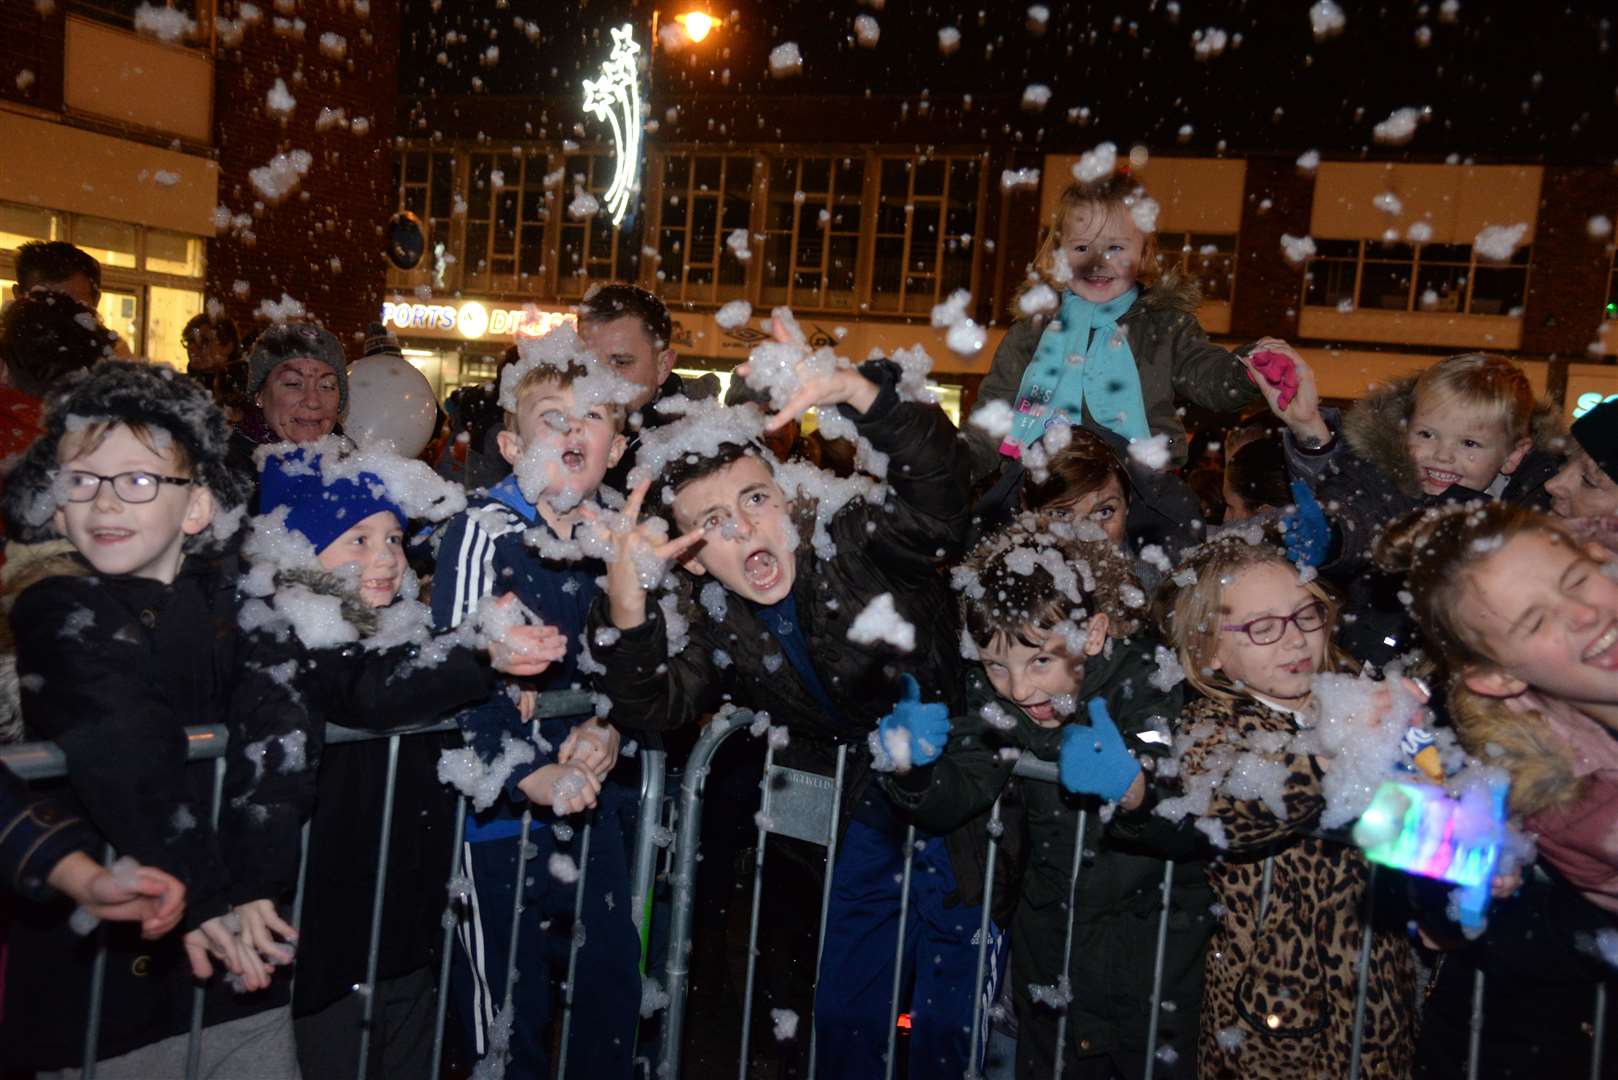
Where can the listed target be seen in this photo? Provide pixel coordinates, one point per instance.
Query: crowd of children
(1434, 567)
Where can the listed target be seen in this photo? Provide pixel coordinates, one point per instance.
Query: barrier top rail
(204, 742)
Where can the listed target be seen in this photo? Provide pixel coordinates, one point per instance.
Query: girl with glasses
(1279, 989)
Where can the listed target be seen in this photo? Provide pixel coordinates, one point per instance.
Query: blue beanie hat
(319, 509)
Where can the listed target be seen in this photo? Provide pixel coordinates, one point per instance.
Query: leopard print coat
(1278, 994)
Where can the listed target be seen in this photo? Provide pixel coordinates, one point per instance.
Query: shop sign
(470, 319)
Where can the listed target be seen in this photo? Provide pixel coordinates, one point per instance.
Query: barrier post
(193, 1048)
(1157, 970)
(979, 1042)
(98, 982)
(899, 950)
(1363, 980)
(368, 1014)
(1474, 1034)
(451, 917)
(573, 951)
(684, 883)
(1067, 946)
(653, 779)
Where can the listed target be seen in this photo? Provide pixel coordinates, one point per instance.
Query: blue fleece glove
(1094, 760)
(1308, 533)
(923, 725)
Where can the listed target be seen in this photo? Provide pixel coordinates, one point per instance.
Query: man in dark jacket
(779, 630)
(631, 332)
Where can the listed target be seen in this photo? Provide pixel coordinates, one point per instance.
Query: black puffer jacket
(376, 690)
(1368, 480)
(1117, 904)
(113, 669)
(897, 547)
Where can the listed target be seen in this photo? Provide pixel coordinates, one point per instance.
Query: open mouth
(111, 536)
(1040, 712)
(1098, 281)
(1440, 478)
(1299, 667)
(1603, 651)
(763, 570)
(573, 459)
(380, 585)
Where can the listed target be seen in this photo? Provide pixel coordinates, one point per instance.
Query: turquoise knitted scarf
(1083, 361)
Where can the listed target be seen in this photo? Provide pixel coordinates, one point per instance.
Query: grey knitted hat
(289, 341)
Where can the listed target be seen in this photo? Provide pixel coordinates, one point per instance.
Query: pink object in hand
(1279, 371)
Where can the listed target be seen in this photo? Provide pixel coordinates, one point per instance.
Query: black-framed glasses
(1268, 629)
(131, 487)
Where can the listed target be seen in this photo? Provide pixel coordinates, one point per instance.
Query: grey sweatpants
(257, 1047)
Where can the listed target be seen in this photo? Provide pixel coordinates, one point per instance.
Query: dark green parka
(1117, 906)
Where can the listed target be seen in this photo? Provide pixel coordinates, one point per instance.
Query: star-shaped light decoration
(615, 98)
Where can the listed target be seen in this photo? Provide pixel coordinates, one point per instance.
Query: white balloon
(390, 405)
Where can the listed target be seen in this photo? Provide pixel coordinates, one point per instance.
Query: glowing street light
(696, 24)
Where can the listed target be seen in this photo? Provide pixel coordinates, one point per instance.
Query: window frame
(1521, 258)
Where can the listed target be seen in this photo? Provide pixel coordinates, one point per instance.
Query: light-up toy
(1419, 829)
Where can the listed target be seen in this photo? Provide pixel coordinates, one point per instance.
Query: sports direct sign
(469, 319)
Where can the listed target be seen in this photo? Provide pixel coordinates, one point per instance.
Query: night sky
(1504, 81)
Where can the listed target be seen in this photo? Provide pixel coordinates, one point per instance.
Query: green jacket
(1116, 910)
(1176, 361)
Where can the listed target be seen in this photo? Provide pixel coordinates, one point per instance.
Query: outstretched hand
(842, 385)
(918, 730)
(526, 650)
(1288, 385)
(1094, 760)
(636, 550)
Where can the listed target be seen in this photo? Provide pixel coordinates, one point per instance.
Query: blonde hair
(1491, 384)
(76, 442)
(1118, 193)
(564, 377)
(1189, 616)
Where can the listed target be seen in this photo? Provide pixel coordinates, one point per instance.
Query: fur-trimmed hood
(1172, 291)
(1522, 743)
(356, 612)
(1374, 429)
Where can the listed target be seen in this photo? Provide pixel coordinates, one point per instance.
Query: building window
(588, 249)
(1374, 275)
(1209, 259)
(506, 214)
(151, 280)
(20, 224)
(705, 198)
(425, 182)
(926, 209)
(812, 232)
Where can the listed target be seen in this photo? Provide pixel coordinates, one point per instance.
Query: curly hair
(1031, 577)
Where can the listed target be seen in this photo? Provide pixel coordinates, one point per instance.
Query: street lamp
(696, 24)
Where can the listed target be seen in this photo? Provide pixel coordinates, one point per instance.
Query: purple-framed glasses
(1268, 629)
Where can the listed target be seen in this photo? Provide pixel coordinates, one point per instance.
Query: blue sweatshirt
(482, 554)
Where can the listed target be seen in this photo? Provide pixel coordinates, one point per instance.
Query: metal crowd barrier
(805, 806)
(795, 804)
(44, 761)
